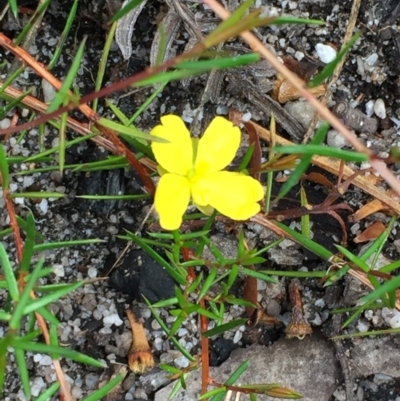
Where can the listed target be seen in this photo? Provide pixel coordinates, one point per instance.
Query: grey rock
(153, 380)
(308, 367)
(370, 356)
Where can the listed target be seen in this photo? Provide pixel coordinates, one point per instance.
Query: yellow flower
(192, 169)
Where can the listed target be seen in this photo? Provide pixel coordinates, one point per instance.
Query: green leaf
(63, 244)
(208, 283)
(330, 67)
(106, 389)
(306, 242)
(63, 94)
(131, 131)
(47, 394)
(259, 275)
(64, 35)
(219, 63)
(165, 328)
(4, 316)
(4, 172)
(304, 162)
(55, 296)
(25, 296)
(20, 343)
(322, 150)
(125, 10)
(224, 327)
(23, 372)
(217, 391)
(353, 258)
(379, 293)
(237, 373)
(29, 243)
(8, 272)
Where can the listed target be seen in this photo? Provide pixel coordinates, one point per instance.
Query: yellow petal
(176, 156)
(233, 194)
(218, 146)
(171, 200)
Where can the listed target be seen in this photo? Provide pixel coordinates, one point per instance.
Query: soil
(93, 319)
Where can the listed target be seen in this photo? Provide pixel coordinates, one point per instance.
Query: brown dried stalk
(140, 357)
(298, 326)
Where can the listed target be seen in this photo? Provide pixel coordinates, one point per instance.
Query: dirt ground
(93, 317)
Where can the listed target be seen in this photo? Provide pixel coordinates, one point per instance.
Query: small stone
(76, 392)
(381, 378)
(46, 360)
(182, 362)
(237, 337)
(155, 325)
(5, 123)
(301, 111)
(58, 270)
(372, 59)
(112, 319)
(362, 327)
(37, 385)
(91, 380)
(43, 206)
(336, 140)
(379, 108)
(92, 272)
(182, 332)
(49, 91)
(325, 53)
(369, 108)
(394, 322)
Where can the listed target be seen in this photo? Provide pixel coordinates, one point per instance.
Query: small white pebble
(369, 108)
(43, 206)
(92, 272)
(46, 361)
(317, 321)
(379, 108)
(112, 319)
(76, 392)
(58, 270)
(372, 59)
(182, 332)
(362, 327)
(5, 123)
(246, 117)
(381, 378)
(299, 56)
(181, 362)
(155, 325)
(394, 322)
(222, 110)
(37, 385)
(325, 53)
(237, 337)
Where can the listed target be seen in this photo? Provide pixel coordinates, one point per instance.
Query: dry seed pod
(370, 233)
(355, 119)
(140, 358)
(298, 326)
(284, 91)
